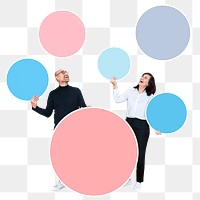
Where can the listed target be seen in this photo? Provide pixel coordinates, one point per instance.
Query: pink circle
(62, 33)
(93, 151)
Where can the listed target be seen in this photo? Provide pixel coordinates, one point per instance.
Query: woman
(137, 99)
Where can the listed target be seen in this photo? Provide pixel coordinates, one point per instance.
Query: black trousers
(141, 130)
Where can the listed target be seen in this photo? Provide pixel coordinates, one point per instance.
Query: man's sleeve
(80, 99)
(49, 108)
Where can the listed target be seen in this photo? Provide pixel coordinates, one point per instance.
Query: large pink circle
(93, 151)
(62, 33)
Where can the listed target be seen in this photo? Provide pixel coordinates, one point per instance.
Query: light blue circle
(166, 112)
(114, 62)
(26, 78)
(162, 32)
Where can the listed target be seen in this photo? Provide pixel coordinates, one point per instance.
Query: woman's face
(144, 80)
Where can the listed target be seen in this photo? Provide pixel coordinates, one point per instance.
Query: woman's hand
(114, 82)
(158, 132)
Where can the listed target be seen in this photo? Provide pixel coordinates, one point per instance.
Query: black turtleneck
(63, 100)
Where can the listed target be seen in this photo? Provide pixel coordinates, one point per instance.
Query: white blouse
(136, 102)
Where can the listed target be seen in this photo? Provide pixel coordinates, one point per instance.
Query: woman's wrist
(114, 86)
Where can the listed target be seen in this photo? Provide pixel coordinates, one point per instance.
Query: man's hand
(34, 101)
(114, 82)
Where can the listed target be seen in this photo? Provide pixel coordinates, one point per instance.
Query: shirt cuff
(34, 108)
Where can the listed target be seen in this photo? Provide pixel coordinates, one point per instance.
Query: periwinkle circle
(162, 32)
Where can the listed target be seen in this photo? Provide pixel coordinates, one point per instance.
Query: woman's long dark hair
(151, 88)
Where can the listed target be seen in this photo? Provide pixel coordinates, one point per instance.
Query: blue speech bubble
(26, 78)
(166, 112)
(114, 62)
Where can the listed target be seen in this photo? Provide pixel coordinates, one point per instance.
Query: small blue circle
(26, 78)
(114, 62)
(162, 32)
(166, 112)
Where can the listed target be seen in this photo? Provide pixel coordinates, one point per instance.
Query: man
(63, 100)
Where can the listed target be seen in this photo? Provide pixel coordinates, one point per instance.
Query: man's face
(62, 75)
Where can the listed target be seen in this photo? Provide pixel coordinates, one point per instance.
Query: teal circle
(26, 78)
(166, 112)
(114, 62)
